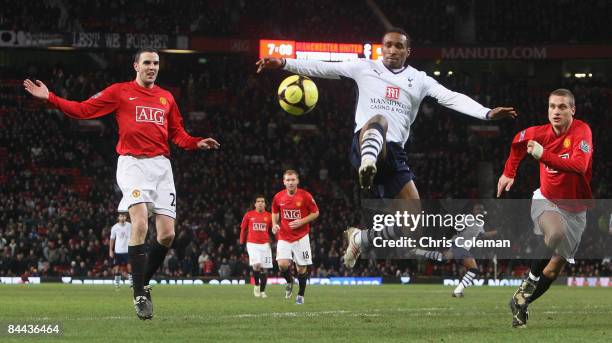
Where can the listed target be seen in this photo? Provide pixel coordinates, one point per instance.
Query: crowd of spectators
(428, 21)
(58, 193)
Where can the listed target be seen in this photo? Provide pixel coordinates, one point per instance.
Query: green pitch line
(331, 313)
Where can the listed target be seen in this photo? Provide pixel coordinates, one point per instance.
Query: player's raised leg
(138, 259)
(372, 144)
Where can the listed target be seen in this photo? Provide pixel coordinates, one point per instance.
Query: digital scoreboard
(322, 51)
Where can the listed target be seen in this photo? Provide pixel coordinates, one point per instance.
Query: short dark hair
(400, 31)
(566, 93)
(260, 196)
(143, 50)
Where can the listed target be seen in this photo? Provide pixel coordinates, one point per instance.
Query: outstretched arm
(463, 103)
(327, 70)
(98, 105)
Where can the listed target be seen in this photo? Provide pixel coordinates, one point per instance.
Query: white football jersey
(394, 94)
(121, 235)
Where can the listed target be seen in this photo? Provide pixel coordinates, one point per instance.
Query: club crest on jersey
(292, 214)
(566, 143)
(522, 136)
(150, 115)
(392, 93)
(136, 194)
(410, 82)
(584, 146)
(163, 100)
(298, 204)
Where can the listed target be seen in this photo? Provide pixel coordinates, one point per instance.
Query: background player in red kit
(294, 209)
(565, 150)
(147, 116)
(254, 232)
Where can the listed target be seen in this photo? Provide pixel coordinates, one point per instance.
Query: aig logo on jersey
(150, 115)
(259, 226)
(392, 93)
(292, 214)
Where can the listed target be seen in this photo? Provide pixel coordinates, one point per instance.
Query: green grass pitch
(409, 313)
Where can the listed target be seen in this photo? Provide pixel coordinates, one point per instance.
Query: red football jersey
(290, 208)
(565, 165)
(255, 227)
(146, 117)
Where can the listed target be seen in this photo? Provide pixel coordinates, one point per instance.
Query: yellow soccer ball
(297, 95)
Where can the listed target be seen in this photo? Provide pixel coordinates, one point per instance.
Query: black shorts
(120, 259)
(392, 173)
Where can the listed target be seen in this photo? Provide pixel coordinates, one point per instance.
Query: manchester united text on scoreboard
(323, 51)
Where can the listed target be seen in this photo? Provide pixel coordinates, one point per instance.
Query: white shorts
(260, 254)
(298, 251)
(575, 223)
(147, 180)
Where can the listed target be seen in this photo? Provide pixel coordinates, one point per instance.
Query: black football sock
(263, 281)
(137, 259)
(302, 282)
(256, 276)
(157, 253)
(541, 288)
(543, 254)
(287, 275)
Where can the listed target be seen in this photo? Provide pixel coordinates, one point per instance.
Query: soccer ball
(297, 95)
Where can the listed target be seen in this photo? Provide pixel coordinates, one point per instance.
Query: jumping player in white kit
(390, 93)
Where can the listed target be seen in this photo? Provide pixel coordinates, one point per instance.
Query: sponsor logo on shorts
(136, 193)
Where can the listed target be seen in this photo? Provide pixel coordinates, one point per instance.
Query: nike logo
(283, 203)
(133, 97)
